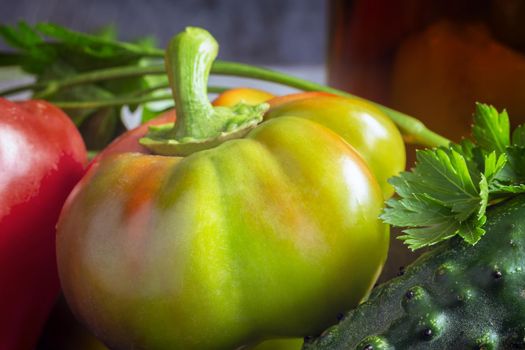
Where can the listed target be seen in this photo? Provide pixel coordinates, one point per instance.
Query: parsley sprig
(449, 189)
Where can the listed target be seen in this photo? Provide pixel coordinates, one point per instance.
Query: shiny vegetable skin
(373, 135)
(268, 236)
(250, 96)
(41, 158)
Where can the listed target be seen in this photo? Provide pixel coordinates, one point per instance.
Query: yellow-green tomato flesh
(269, 236)
(374, 136)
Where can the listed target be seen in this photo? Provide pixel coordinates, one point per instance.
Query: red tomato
(42, 157)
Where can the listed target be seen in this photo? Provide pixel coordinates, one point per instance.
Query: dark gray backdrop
(271, 32)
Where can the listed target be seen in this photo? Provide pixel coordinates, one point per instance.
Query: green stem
(10, 59)
(409, 126)
(132, 100)
(199, 124)
(100, 75)
(109, 103)
(189, 57)
(151, 89)
(21, 88)
(211, 89)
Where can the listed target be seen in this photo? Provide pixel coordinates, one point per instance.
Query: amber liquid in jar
(431, 59)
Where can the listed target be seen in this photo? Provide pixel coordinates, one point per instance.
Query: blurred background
(432, 59)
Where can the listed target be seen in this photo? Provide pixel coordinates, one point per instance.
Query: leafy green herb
(449, 189)
(53, 53)
(491, 129)
(47, 43)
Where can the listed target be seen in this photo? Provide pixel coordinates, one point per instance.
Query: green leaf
(93, 45)
(513, 173)
(518, 136)
(417, 238)
(21, 36)
(484, 198)
(418, 209)
(54, 53)
(99, 129)
(493, 164)
(472, 153)
(47, 43)
(439, 198)
(471, 230)
(491, 129)
(88, 92)
(107, 32)
(445, 177)
(10, 59)
(148, 114)
(33, 53)
(499, 190)
(449, 189)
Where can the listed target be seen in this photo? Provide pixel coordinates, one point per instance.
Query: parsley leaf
(79, 50)
(518, 136)
(491, 129)
(53, 53)
(440, 198)
(449, 189)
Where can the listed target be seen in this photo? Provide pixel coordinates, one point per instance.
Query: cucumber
(456, 296)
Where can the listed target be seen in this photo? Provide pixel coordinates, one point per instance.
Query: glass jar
(431, 59)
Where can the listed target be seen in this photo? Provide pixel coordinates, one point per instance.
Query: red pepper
(42, 156)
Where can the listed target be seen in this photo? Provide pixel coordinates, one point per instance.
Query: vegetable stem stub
(199, 125)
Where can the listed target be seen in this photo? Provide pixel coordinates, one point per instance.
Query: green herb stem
(132, 100)
(100, 75)
(408, 125)
(22, 88)
(151, 89)
(110, 102)
(413, 128)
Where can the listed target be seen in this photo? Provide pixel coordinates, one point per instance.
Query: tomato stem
(199, 125)
(188, 60)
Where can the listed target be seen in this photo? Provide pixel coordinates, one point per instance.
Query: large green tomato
(268, 236)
